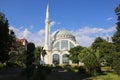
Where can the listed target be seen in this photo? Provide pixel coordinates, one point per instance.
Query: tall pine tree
(116, 42)
(5, 39)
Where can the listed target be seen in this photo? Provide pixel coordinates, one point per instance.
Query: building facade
(57, 44)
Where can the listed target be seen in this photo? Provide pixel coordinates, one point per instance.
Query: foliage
(97, 43)
(116, 42)
(74, 53)
(116, 62)
(39, 51)
(91, 60)
(81, 69)
(106, 49)
(106, 55)
(30, 54)
(18, 55)
(5, 41)
(30, 60)
(37, 54)
(107, 76)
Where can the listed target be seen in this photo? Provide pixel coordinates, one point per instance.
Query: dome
(62, 34)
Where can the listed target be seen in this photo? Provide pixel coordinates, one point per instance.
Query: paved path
(9, 73)
(63, 75)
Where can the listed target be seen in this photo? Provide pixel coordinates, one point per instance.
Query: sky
(86, 19)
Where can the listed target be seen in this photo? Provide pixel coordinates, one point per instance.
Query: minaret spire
(47, 12)
(47, 30)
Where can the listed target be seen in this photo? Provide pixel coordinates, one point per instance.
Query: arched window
(57, 45)
(65, 59)
(55, 59)
(71, 45)
(64, 44)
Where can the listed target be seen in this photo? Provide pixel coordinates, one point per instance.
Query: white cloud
(36, 38)
(52, 23)
(84, 36)
(26, 33)
(110, 18)
(84, 40)
(87, 30)
(41, 32)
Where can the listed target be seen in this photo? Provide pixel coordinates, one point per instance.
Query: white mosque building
(57, 44)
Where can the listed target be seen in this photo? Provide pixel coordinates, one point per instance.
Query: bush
(68, 67)
(81, 69)
(10, 64)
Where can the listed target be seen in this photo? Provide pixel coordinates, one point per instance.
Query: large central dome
(63, 34)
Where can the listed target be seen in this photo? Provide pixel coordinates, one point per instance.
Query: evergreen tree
(5, 41)
(30, 60)
(116, 36)
(116, 41)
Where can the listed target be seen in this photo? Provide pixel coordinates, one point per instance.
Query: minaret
(47, 30)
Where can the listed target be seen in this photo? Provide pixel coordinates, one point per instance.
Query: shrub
(81, 69)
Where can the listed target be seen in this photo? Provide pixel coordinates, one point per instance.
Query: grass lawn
(107, 76)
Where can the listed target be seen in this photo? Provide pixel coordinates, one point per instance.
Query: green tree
(90, 58)
(17, 55)
(97, 43)
(74, 54)
(37, 54)
(105, 48)
(39, 51)
(116, 42)
(106, 55)
(5, 41)
(30, 60)
(30, 54)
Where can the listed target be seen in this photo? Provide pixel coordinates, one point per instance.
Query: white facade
(58, 44)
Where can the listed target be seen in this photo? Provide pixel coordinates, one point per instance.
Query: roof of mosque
(63, 34)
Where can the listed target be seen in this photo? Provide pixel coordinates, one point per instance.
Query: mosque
(57, 44)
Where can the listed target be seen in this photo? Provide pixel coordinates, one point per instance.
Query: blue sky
(86, 19)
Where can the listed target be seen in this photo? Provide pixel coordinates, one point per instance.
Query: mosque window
(71, 45)
(57, 45)
(55, 59)
(64, 44)
(65, 59)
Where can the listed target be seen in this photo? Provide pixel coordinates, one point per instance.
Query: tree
(30, 60)
(90, 58)
(17, 55)
(38, 53)
(105, 48)
(97, 43)
(74, 54)
(107, 51)
(5, 40)
(30, 54)
(116, 42)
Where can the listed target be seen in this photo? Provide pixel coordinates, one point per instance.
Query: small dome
(62, 34)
